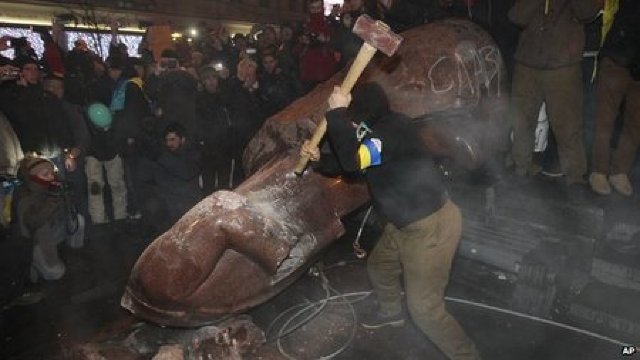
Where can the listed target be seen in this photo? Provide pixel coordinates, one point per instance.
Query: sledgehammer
(376, 36)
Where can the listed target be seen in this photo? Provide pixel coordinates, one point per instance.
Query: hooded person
(41, 216)
(423, 226)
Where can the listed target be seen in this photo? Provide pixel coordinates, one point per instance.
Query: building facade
(237, 15)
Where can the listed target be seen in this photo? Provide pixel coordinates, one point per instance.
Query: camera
(60, 188)
(9, 73)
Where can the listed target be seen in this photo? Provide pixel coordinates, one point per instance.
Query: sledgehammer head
(377, 34)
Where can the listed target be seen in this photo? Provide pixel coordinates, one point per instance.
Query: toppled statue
(235, 250)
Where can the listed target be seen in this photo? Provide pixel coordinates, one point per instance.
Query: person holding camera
(173, 92)
(618, 81)
(41, 120)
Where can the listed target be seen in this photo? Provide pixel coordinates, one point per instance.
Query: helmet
(99, 115)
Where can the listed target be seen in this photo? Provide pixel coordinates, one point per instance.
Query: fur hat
(31, 165)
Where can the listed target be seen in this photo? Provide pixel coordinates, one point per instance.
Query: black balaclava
(369, 103)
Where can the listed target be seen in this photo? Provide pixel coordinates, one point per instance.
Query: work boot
(28, 297)
(378, 320)
(599, 183)
(621, 183)
(552, 170)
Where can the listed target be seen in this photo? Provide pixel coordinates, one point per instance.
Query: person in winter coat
(129, 107)
(618, 80)
(173, 91)
(42, 216)
(424, 225)
(548, 69)
(277, 88)
(216, 141)
(176, 178)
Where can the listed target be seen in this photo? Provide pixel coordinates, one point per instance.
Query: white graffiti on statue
(476, 68)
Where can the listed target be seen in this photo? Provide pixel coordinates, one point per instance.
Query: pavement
(336, 292)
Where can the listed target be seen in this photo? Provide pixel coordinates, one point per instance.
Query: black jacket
(177, 180)
(246, 111)
(103, 144)
(128, 121)
(175, 93)
(277, 90)
(40, 120)
(405, 185)
(215, 123)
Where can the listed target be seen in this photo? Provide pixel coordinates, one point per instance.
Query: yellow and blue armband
(370, 153)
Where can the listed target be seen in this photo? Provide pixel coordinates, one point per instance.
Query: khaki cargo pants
(615, 85)
(114, 169)
(561, 90)
(423, 252)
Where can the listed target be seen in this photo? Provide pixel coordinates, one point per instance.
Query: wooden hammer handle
(357, 67)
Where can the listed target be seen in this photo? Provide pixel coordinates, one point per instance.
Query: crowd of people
(163, 134)
(143, 139)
